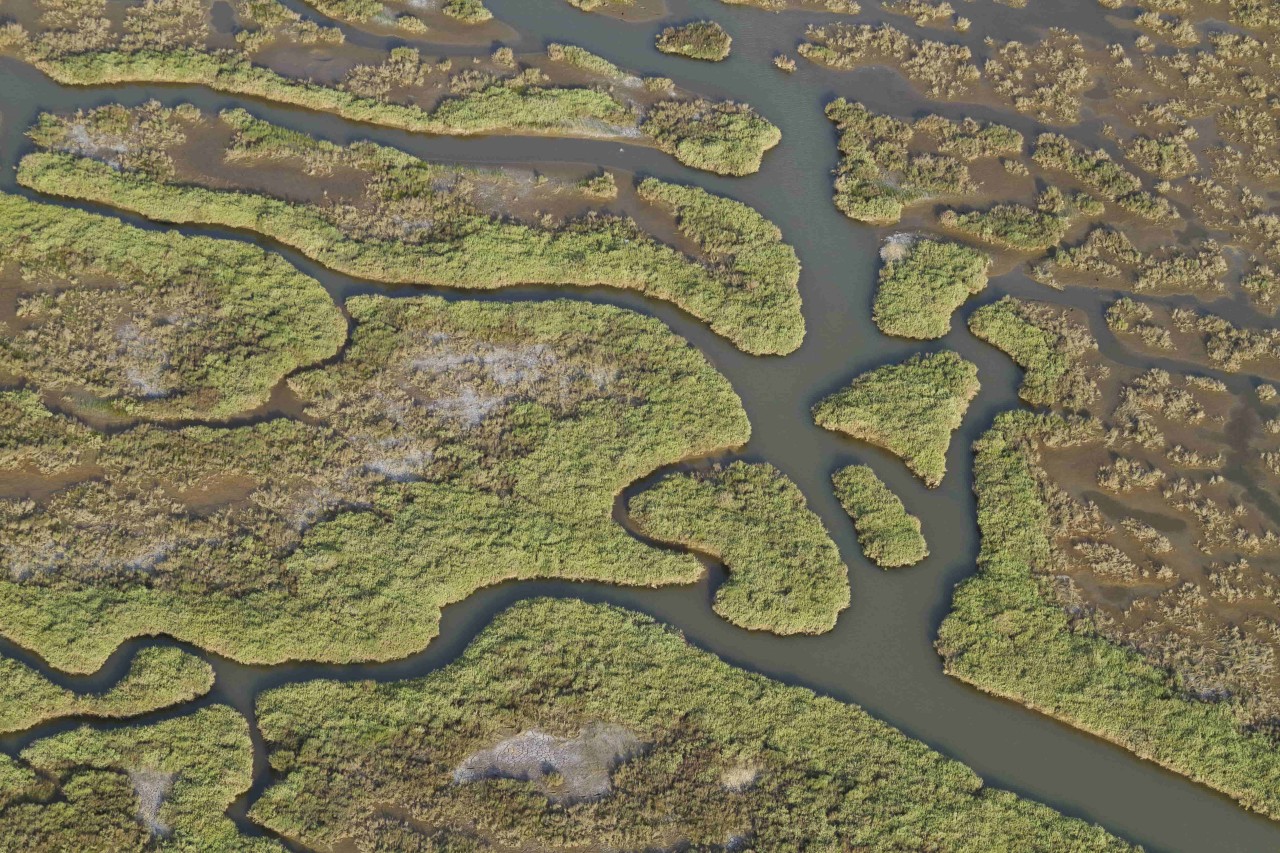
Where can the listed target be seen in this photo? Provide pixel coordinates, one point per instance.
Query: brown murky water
(880, 656)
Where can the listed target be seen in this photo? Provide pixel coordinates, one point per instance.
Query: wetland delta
(568, 425)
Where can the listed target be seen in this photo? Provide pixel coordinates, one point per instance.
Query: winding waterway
(880, 656)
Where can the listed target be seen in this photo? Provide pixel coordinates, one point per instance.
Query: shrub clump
(910, 409)
(922, 282)
(719, 136)
(889, 535)
(785, 573)
(697, 40)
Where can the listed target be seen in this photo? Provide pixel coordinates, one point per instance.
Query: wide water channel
(880, 656)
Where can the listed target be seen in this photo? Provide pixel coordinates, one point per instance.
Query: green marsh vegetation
(943, 71)
(922, 282)
(157, 678)
(1107, 257)
(785, 573)
(76, 43)
(721, 754)
(887, 164)
(1007, 636)
(452, 445)
(704, 40)
(889, 535)
(153, 324)
(394, 218)
(1054, 351)
(164, 785)
(401, 15)
(1017, 227)
(910, 409)
(1097, 171)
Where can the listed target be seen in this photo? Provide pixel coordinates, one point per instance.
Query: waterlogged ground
(1158, 536)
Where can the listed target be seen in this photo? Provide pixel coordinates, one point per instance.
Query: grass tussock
(157, 678)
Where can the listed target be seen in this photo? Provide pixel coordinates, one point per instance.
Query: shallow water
(880, 656)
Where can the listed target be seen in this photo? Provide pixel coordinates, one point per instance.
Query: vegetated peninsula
(452, 445)
(910, 409)
(514, 746)
(566, 92)
(1055, 353)
(378, 213)
(922, 282)
(153, 324)
(164, 785)
(785, 573)
(889, 535)
(158, 677)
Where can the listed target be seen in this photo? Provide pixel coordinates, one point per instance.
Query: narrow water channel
(880, 656)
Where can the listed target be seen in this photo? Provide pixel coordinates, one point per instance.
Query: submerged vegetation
(674, 743)
(910, 409)
(785, 574)
(452, 445)
(889, 535)
(149, 323)
(922, 282)
(405, 220)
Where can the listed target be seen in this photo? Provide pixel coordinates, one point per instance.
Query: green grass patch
(910, 409)
(721, 137)
(745, 285)
(157, 678)
(726, 753)
(923, 282)
(889, 535)
(453, 445)
(1005, 636)
(785, 573)
(165, 785)
(1050, 350)
(152, 323)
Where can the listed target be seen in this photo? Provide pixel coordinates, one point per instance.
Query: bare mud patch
(583, 763)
